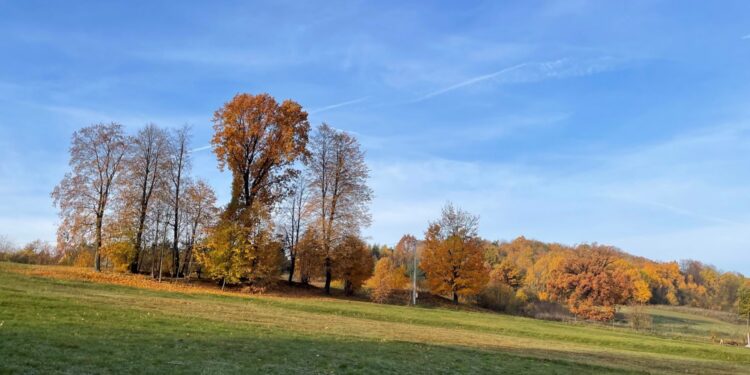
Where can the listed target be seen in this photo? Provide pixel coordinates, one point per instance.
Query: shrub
(639, 318)
(499, 296)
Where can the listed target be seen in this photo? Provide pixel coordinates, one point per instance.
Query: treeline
(299, 198)
(34, 252)
(591, 280)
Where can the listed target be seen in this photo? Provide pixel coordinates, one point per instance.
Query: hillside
(58, 322)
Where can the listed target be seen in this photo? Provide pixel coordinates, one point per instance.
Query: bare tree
(293, 218)
(179, 164)
(340, 194)
(96, 155)
(200, 212)
(144, 169)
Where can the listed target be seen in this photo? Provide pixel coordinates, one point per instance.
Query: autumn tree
(96, 156)
(405, 251)
(502, 292)
(664, 280)
(339, 191)
(591, 283)
(309, 255)
(743, 304)
(227, 259)
(352, 263)
(508, 273)
(259, 140)
(387, 278)
(452, 259)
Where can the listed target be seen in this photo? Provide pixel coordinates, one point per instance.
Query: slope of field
(54, 324)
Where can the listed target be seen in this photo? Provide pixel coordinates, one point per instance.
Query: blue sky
(567, 121)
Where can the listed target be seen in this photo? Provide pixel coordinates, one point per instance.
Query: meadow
(65, 320)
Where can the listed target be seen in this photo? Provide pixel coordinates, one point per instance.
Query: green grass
(72, 326)
(694, 324)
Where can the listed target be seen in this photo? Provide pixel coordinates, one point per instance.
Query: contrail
(470, 82)
(200, 148)
(326, 108)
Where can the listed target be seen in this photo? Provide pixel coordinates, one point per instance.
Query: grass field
(53, 320)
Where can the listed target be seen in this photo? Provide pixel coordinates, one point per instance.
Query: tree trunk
(291, 269)
(455, 298)
(246, 188)
(161, 261)
(175, 249)
(154, 245)
(328, 276)
(98, 245)
(138, 239)
(153, 260)
(186, 268)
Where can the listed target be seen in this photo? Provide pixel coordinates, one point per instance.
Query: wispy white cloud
(337, 105)
(673, 209)
(82, 116)
(746, 36)
(653, 200)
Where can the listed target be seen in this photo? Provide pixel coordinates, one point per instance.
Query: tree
(159, 221)
(179, 163)
(309, 256)
(237, 252)
(507, 273)
(453, 259)
(353, 263)
(145, 167)
(258, 140)
(339, 191)
(200, 213)
(743, 305)
(591, 283)
(225, 256)
(405, 256)
(386, 278)
(664, 280)
(294, 217)
(82, 196)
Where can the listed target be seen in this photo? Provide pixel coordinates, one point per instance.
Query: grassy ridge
(74, 326)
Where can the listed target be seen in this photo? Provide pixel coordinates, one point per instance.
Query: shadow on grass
(144, 352)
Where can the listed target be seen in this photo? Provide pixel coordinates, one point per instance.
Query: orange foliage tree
(353, 263)
(591, 283)
(309, 256)
(258, 140)
(453, 258)
(387, 278)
